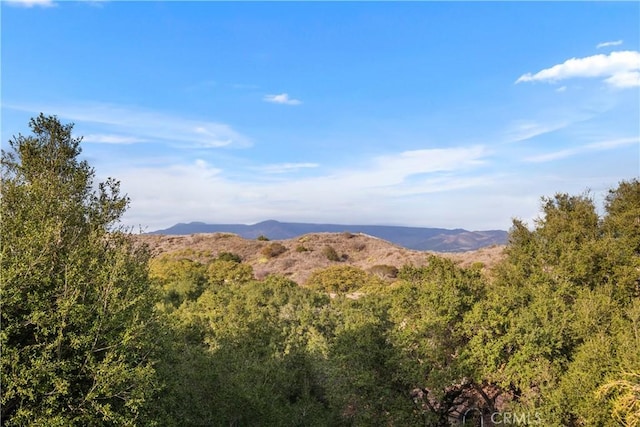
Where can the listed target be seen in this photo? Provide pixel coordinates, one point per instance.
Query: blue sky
(455, 115)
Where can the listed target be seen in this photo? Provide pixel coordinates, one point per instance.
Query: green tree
(559, 317)
(77, 313)
(621, 226)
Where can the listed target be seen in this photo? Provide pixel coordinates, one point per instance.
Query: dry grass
(305, 254)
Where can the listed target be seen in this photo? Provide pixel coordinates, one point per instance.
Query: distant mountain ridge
(418, 238)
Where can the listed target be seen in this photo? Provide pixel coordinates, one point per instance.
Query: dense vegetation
(96, 333)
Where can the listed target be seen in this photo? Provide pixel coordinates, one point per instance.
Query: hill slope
(306, 253)
(417, 238)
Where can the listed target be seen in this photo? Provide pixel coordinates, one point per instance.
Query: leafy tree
(621, 226)
(77, 312)
(559, 316)
(623, 213)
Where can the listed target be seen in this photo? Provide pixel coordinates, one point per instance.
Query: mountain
(418, 238)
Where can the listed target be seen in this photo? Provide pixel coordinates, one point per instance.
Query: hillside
(304, 254)
(418, 238)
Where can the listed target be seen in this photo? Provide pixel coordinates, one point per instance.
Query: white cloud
(596, 146)
(30, 3)
(625, 79)
(607, 44)
(620, 69)
(141, 124)
(282, 98)
(111, 139)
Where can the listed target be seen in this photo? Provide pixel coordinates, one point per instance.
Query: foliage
(220, 272)
(229, 256)
(428, 307)
(256, 345)
(262, 238)
(273, 250)
(77, 309)
(330, 253)
(178, 279)
(626, 400)
(364, 386)
(556, 321)
(339, 278)
(384, 271)
(552, 333)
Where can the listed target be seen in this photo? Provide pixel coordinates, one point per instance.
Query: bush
(262, 238)
(338, 278)
(228, 272)
(302, 248)
(330, 253)
(358, 246)
(273, 250)
(229, 256)
(384, 271)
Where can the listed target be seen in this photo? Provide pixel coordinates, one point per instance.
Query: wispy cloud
(596, 146)
(96, 3)
(406, 181)
(282, 98)
(30, 3)
(621, 69)
(522, 130)
(144, 125)
(279, 168)
(111, 139)
(395, 168)
(608, 44)
(244, 86)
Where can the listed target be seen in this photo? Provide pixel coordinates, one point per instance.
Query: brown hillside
(304, 254)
